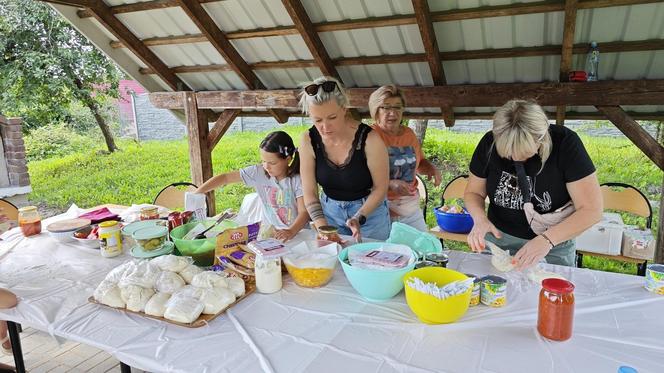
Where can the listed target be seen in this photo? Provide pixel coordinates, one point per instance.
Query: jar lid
(27, 209)
(149, 209)
(108, 224)
(557, 285)
(150, 232)
(327, 229)
(68, 225)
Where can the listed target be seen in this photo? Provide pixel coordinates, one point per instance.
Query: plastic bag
(423, 243)
(172, 263)
(307, 254)
(501, 259)
(183, 309)
(357, 257)
(169, 282)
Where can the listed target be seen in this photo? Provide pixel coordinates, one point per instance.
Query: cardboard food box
(638, 243)
(605, 237)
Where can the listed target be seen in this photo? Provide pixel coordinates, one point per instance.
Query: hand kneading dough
(169, 282)
(236, 285)
(144, 274)
(156, 306)
(208, 280)
(184, 309)
(108, 293)
(189, 272)
(171, 263)
(216, 299)
(136, 297)
(501, 259)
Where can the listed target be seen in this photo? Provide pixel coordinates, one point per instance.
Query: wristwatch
(361, 219)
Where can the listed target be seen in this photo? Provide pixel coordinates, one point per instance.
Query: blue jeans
(336, 212)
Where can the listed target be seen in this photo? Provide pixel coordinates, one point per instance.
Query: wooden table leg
(15, 339)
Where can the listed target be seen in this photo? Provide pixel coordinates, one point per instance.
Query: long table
(333, 329)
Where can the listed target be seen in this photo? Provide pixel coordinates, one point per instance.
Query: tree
(45, 65)
(420, 128)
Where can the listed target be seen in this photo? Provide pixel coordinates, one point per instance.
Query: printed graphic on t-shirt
(402, 163)
(508, 194)
(280, 203)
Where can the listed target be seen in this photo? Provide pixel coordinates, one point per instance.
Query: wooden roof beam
(221, 125)
(216, 37)
(428, 35)
(566, 53)
(606, 93)
(102, 13)
(639, 136)
(76, 3)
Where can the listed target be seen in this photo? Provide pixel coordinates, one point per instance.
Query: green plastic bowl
(374, 285)
(202, 250)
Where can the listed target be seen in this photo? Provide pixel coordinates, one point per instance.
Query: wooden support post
(659, 248)
(640, 137)
(220, 127)
(200, 155)
(566, 53)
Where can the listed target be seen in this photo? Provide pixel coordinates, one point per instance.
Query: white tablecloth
(332, 329)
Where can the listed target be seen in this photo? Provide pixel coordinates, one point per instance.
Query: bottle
(268, 274)
(592, 64)
(556, 309)
(110, 239)
(29, 221)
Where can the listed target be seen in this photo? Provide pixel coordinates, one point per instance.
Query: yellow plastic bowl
(429, 309)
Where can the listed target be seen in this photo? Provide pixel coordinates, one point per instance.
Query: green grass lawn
(137, 172)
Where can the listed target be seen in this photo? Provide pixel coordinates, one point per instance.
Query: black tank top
(349, 181)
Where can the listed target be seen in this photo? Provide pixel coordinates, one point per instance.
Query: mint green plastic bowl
(374, 285)
(202, 251)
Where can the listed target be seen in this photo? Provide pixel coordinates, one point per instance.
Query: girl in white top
(277, 182)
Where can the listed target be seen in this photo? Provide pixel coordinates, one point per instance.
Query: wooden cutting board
(68, 225)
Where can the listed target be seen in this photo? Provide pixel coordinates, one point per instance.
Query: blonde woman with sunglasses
(386, 105)
(525, 161)
(348, 160)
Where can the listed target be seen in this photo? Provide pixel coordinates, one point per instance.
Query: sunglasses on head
(327, 86)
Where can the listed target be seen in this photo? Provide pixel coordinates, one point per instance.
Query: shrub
(56, 141)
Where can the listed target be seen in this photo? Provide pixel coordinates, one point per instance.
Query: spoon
(225, 215)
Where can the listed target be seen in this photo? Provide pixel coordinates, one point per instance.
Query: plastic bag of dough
(216, 299)
(116, 274)
(169, 282)
(501, 259)
(189, 272)
(172, 263)
(183, 309)
(108, 293)
(537, 275)
(208, 280)
(236, 285)
(188, 291)
(143, 274)
(156, 306)
(136, 297)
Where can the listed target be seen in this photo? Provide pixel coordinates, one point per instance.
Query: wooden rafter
(639, 136)
(547, 50)
(221, 125)
(428, 35)
(76, 3)
(216, 37)
(607, 93)
(566, 53)
(121, 32)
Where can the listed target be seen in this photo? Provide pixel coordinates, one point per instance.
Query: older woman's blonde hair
(338, 95)
(379, 96)
(520, 129)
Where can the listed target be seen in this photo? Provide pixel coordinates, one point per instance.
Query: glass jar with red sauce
(29, 221)
(556, 309)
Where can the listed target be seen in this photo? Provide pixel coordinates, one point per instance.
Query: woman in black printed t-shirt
(557, 170)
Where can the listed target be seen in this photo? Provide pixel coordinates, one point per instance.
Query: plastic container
(454, 223)
(311, 263)
(429, 309)
(29, 221)
(374, 285)
(201, 250)
(555, 317)
(268, 275)
(151, 238)
(592, 63)
(110, 239)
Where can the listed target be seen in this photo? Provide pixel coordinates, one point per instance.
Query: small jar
(268, 274)
(440, 259)
(110, 239)
(149, 213)
(29, 221)
(556, 309)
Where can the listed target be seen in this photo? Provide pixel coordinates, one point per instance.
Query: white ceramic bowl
(63, 237)
(87, 242)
